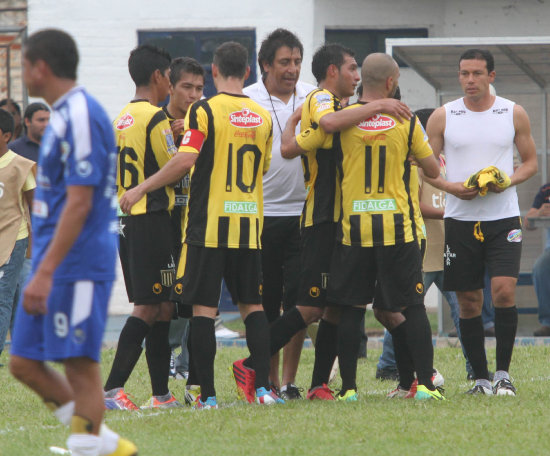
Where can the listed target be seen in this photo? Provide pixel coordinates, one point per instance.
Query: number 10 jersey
(232, 135)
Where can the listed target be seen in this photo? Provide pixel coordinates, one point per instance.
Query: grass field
(374, 425)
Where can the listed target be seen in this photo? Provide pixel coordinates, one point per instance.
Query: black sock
(193, 379)
(403, 356)
(419, 340)
(281, 332)
(157, 352)
(349, 338)
(473, 339)
(257, 339)
(506, 325)
(204, 352)
(326, 350)
(128, 352)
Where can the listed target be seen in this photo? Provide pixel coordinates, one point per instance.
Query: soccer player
(145, 144)
(64, 306)
(280, 92)
(474, 132)
(227, 142)
(335, 69)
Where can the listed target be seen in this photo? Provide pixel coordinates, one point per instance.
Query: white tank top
(473, 141)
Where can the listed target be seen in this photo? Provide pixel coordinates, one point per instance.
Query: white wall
(106, 31)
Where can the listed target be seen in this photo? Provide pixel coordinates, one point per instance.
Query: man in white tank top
(474, 132)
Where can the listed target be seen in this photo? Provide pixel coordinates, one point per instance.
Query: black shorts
(397, 269)
(497, 247)
(147, 257)
(280, 263)
(317, 245)
(200, 273)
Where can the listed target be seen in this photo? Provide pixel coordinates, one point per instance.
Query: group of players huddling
(191, 213)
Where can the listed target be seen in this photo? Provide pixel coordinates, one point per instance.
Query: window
(201, 44)
(364, 42)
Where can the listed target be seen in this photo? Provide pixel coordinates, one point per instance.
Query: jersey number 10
(241, 161)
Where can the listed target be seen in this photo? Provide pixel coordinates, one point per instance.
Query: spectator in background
(541, 270)
(37, 117)
(14, 109)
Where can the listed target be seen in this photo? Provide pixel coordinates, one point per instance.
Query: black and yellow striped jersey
(378, 185)
(233, 136)
(320, 164)
(144, 144)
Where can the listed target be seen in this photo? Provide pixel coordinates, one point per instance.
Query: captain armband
(192, 139)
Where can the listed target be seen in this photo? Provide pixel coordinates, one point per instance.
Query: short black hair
(275, 40)
(145, 60)
(7, 124)
(326, 55)
(231, 58)
(479, 54)
(34, 107)
(423, 115)
(6, 101)
(184, 65)
(57, 48)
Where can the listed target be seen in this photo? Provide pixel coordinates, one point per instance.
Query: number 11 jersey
(232, 135)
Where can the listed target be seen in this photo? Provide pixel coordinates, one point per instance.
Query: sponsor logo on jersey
(124, 122)
(245, 134)
(172, 149)
(245, 119)
(514, 236)
(374, 205)
(84, 168)
(379, 122)
(500, 110)
(323, 107)
(322, 97)
(39, 209)
(458, 112)
(181, 200)
(380, 137)
(240, 207)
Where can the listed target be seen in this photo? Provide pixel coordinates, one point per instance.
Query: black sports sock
(281, 332)
(192, 379)
(349, 338)
(403, 356)
(128, 352)
(473, 339)
(157, 352)
(419, 340)
(257, 339)
(204, 352)
(506, 325)
(326, 350)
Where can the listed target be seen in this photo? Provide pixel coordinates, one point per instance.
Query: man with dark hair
(64, 306)
(37, 117)
(145, 144)
(280, 92)
(477, 134)
(15, 110)
(224, 225)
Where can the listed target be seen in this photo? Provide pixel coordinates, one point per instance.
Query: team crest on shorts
(167, 277)
(514, 236)
(314, 292)
(157, 288)
(325, 276)
(178, 288)
(420, 288)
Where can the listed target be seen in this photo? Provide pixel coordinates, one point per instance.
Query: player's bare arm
(340, 120)
(526, 147)
(429, 166)
(73, 217)
(289, 146)
(178, 166)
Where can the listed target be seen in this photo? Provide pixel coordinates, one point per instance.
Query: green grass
(462, 425)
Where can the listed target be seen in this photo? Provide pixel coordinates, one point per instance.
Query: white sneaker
(224, 333)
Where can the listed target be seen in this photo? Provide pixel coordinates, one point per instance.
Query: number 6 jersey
(144, 145)
(232, 135)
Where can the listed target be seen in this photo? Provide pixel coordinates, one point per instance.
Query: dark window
(201, 44)
(364, 42)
